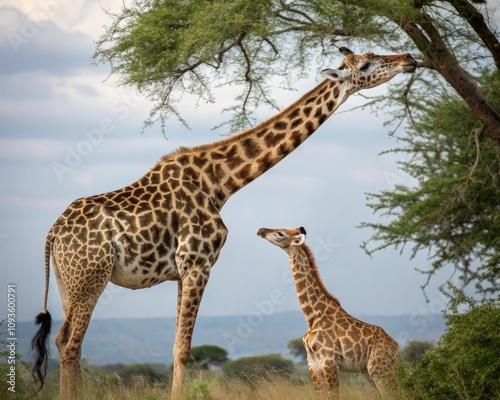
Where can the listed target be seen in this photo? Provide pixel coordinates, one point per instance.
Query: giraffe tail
(39, 343)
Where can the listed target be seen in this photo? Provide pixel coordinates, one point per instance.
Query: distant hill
(151, 339)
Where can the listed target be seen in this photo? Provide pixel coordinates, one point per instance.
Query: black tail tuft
(40, 348)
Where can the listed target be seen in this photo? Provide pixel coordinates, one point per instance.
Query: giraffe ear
(298, 240)
(345, 51)
(336, 74)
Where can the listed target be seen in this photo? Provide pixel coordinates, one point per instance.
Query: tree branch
(476, 20)
(248, 79)
(432, 45)
(217, 55)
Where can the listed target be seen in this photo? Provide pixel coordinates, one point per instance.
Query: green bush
(145, 372)
(466, 362)
(207, 356)
(415, 350)
(254, 369)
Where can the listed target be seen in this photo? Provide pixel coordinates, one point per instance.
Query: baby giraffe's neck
(313, 297)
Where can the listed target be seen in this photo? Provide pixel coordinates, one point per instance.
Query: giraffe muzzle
(262, 232)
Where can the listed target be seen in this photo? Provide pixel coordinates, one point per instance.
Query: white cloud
(70, 15)
(30, 149)
(26, 45)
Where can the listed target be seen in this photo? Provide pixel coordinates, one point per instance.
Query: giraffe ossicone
(334, 341)
(167, 226)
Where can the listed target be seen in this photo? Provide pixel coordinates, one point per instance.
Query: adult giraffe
(166, 225)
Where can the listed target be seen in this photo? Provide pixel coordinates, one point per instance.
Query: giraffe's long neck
(240, 159)
(313, 297)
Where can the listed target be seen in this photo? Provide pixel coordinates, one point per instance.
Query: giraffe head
(284, 238)
(365, 71)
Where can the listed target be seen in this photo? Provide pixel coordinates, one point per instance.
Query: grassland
(207, 386)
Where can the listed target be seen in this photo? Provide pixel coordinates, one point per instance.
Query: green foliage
(144, 372)
(174, 45)
(170, 48)
(415, 350)
(297, 349)
(450, 207)
(199, 390)
(99, 376)
(167, 48)
(254, 369)
(466, 362)
(207, 356)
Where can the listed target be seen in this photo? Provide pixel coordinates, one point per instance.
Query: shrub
(254, 369)
(207, 356)
(415, 350)
(145, 372)
(466, 362)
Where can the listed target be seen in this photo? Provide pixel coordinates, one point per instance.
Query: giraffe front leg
(331, 373)
(190, 293)
(318, 380)
(315, 370)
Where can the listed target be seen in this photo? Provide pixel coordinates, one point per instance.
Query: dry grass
(284, 389)
(212, 386)
(221, 388)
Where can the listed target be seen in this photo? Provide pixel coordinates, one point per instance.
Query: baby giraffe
(335, 340)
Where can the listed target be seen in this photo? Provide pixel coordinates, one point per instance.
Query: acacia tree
(452, 210)
(297, 349)
(207, 356)
(167, 48)
(170, 47)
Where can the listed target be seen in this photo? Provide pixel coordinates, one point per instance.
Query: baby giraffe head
(284, 238)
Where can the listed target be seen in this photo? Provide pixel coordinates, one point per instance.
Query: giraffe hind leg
(380, 369)
(69, 342)
(78, 305)
(323, 380)
(69, 360)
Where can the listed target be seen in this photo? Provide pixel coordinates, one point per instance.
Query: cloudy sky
(51, 101)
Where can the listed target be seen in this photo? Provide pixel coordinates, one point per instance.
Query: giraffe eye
(280, 234)
(364, 67)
